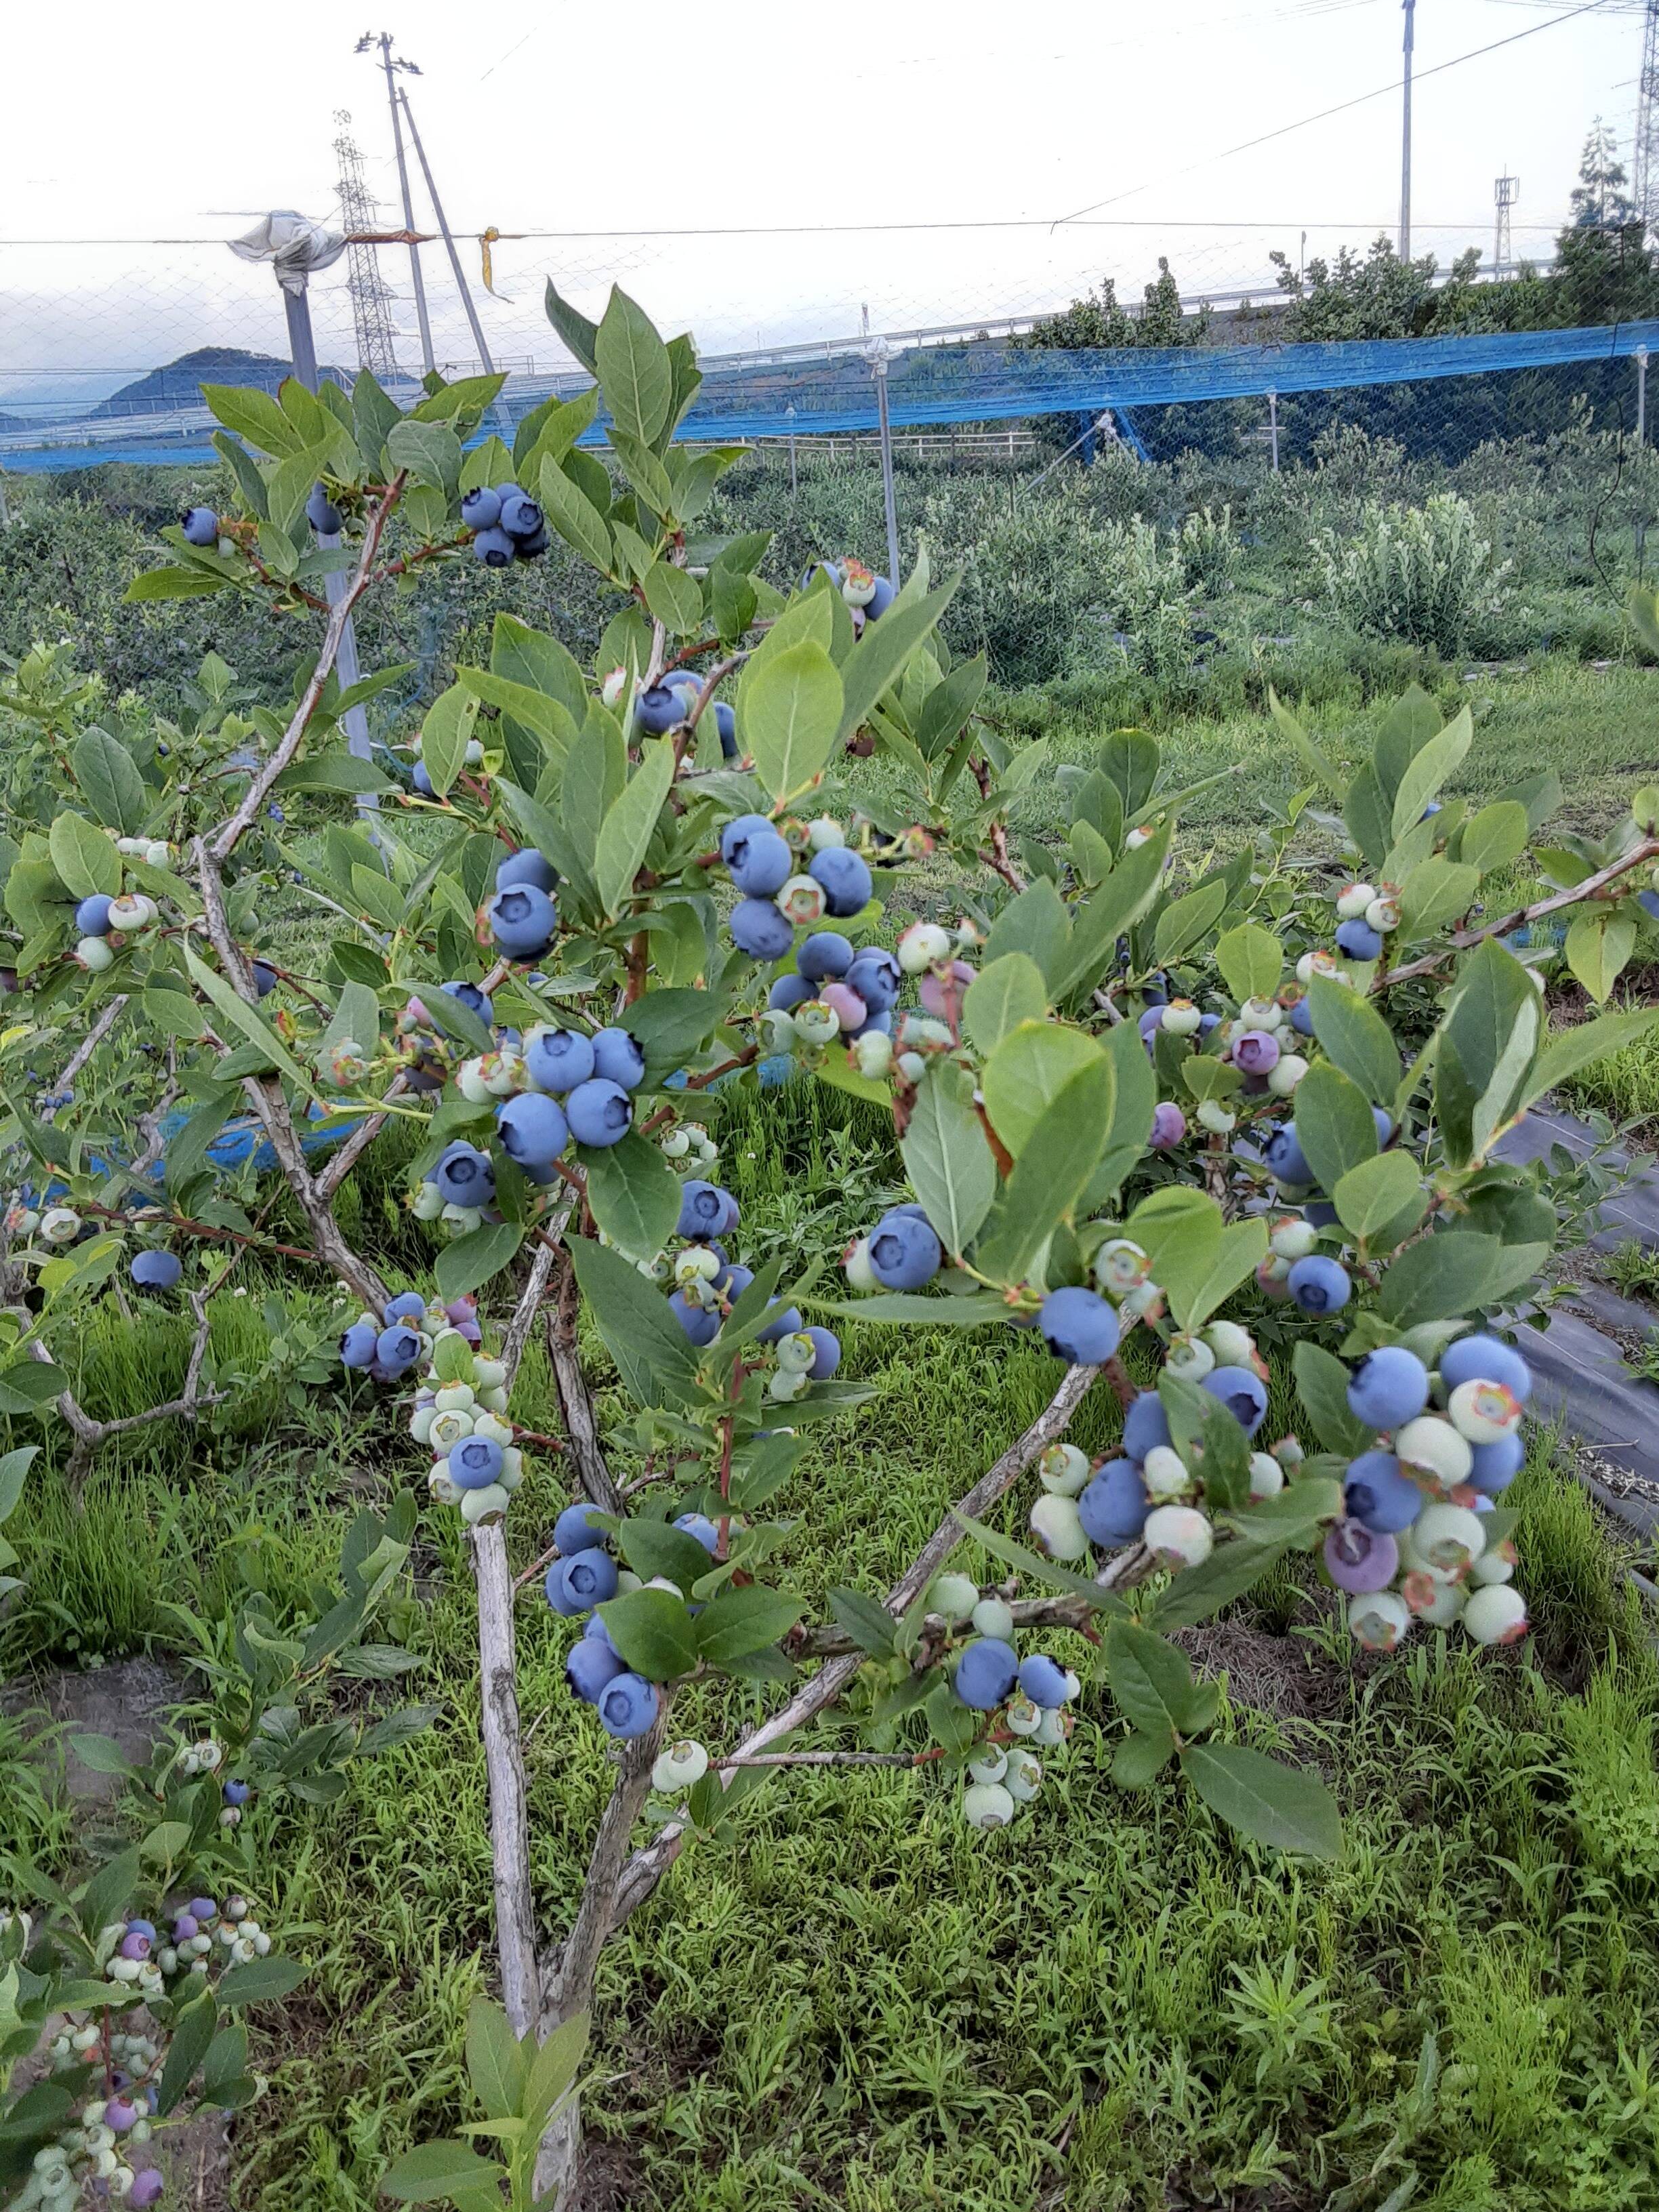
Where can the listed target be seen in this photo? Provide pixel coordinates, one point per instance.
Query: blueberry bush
(1169, 1110)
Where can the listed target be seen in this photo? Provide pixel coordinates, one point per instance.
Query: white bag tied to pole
(295, 247)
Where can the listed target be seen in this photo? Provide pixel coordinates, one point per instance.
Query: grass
(859, 2005)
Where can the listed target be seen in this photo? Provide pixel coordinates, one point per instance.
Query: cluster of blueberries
(387, 1349)
(201, 525)
(584, 1576)
(507, 524)
(95, 2153)
(707, 1283)
(838, 990)
(1412, 1545)
(774, 898)
(104, 921)
(1029, 1696)
(867, 595)
(476, 1465)
(1365, 914)
(663, 705)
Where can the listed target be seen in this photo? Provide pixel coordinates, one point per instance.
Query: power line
(1380, 92)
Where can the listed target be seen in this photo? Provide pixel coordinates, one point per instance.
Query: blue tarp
(980, 383)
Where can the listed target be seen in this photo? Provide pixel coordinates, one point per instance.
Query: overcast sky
(189, 123)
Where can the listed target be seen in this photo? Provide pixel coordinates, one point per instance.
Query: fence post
(1641, 395)
(1272, 425)
(789, 416)
(878, 356)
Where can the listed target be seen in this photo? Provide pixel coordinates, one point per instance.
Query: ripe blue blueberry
(408, 1305)
(523, 920)
(844, 878)
(1358, 940)
(760, 860)
(824, 956)
(700, 1326)
(237, 1793)
(421, 781)
(627, 1707)
(1495, 1466)
(1380, 1495)
(474, 1461)
(828, 1346)
(464, 1175)
(876, 977)
(904, 1252)
(1319, 1214)
(1042, 1681)
(398, 1347)
(706, 1211)
(527, 866)
(200, 525)
(519, 517)
(1484, 1359)
(700, 1526)
(481, 508)
(533, 1129)
(787, 1323)
(1389, 1386)
(1286, 1157)
(357, 1346)
(734, 1282)
(1242, 1393)
(600, 1113)
(264, 977)
(658, 709)
(590, 1666)
(986, 1672)
(558, 1060)
(881, 600)
(156, 1271)
(617, 1058)
(92, 915)
(581, 1582)
(1320, 1285)
(726, 723)
(761, 929)
(734, 838)
(1079, 1326)
(322, 514)
(1302, 1017)
(1384, 1126)
(575, 1530)
(788, 992)
(1145, 1425)
(495, 548)
(1113, 1509)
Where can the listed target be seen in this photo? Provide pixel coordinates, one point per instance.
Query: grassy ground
(1114, 2004)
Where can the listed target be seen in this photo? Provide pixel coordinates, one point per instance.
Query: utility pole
(878, 353)
(503, 420)
(390, 62)
(1410, 7)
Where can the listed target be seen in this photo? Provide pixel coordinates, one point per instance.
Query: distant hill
(177, 384)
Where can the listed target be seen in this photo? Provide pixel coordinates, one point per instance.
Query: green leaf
(867, 1620)
(1483, 1051)
(1056, 1163)
(101, 1753)
(1443, 1276)
(1035, 924)
(1186, 920)
(1434, 892)
(1367, 812)
(1251, 960)
(13, 1467)
(654, 1549)
(260, 1981)
(548, 718)
(633, 368)
(653, 1633)
(1356, 1037)
(429, 451)
(1333, 1124)
(1495, 836)
(1430, 767)
(1598, 947)
(1285, 1806)
(445, 735)
(1116, 906)
(336, 771)
(498, 2064)
(538, 661)
(1380, 1194)
(580, 334)
(109, 782)
(1569, 1050)
(86, 859)
(175, 584)
(640, 1333)
(1027, 1071)
(671, 1026)
(434, 2171)
(237, 1011)
(1322, 1381)
(1007, 992)
(1152, 1679)
(881, 654)
(626, 831)
(673, 597)
(255, 415)
(634, 1195)
(947, 1157)
(575, 516)
(1197, 1287)
(1140, 1758)
(554, 2069)
(739, 1622)
(473, 1260)
(789, 713)
(948, 706)
(1042, 1570)
(193, 2027)
(1317, 763)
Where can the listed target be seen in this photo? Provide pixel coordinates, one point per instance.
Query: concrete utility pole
(1410, 7)
(390, 62)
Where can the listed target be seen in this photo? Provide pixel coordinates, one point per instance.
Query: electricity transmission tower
(1505, 192)
(1646, 164)
(371, 296)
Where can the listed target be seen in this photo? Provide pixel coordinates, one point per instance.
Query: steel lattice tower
(1646, 163)
(1505, 192)
(371, 296)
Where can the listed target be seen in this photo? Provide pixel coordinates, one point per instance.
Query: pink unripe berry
(1168, 1128)
(1359, 1562)
(1256, 1052)
(848, 1008)
(937, 995)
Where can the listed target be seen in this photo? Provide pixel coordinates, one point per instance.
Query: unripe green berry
(1064, 1469)
(1023, 1777)
(988, 1766)
(987, 1806)
(993, 1616)
(953, 1597)
(1057, 1530)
